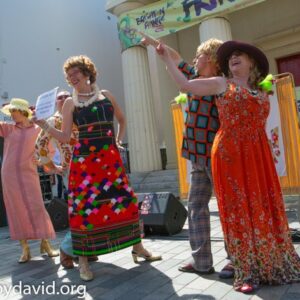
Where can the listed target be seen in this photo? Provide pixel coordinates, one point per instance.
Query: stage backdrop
(169, 16)
(285, 89)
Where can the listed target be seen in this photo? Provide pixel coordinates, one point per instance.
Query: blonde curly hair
(210, 47)
(85, 65)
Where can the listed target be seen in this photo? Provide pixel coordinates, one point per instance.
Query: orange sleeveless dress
(249, 196)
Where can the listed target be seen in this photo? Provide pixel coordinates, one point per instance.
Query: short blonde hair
(85, 65)
(210, 47)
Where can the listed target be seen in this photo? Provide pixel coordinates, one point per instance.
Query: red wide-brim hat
(226, 49)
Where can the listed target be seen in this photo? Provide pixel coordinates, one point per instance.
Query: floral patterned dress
(103, 209)
(249, 197)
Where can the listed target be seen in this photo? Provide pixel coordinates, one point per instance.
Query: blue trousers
(66, 244)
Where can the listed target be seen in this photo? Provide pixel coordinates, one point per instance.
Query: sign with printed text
(163, 17)
(45, 104)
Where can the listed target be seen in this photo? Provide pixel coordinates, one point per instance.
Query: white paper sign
(45, 104)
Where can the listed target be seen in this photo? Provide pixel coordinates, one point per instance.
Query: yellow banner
(168, 16)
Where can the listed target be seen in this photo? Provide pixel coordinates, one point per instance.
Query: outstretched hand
(148, 40)
(161, 49)
(54, 169)
(41, 123)
(119, 144)
(35, 120)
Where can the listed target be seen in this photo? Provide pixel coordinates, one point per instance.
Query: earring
(88, 82)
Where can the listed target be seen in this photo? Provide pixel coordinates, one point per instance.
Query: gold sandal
(147, 257)
(85, 273)
(25, 257)
(47, 248)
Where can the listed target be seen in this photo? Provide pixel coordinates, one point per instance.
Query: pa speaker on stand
(162, 213)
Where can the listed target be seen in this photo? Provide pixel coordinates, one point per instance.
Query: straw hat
(226, 49)
(19, 104)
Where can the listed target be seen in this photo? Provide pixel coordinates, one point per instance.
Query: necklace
(86, 94)
(86, 103)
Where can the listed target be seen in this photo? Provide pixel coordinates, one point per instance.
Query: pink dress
(26, 213)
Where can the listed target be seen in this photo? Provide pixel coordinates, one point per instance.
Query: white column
(142, 132)
(218, 28)
(164, 90)
(141, 128)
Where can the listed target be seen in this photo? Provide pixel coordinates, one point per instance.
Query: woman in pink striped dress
(26, 213)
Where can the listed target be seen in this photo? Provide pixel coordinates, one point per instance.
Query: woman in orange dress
(249, 197)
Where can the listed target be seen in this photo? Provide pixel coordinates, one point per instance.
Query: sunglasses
(63, 97)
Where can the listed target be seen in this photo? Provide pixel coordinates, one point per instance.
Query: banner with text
(169, 16)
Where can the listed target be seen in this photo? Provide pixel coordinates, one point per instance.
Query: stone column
(164, 90)
(141, 128)
(142, 131)
(217, 27)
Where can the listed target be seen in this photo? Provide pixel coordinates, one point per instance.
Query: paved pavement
(117, 277)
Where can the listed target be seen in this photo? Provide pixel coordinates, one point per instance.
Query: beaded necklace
(86, 103)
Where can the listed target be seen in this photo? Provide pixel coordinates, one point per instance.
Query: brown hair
(23, 112)
(85, 65)
(255, 76)
(210, 47)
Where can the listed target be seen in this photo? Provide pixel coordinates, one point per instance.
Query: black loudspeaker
(3, 221)
(58, 212)
(162, 213)
(46, 185)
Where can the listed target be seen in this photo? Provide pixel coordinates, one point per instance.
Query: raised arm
(45, 141)
(42, 147)
(119, 115)
(150, 41)
(200, 87)
(64, 134)
(5, 129)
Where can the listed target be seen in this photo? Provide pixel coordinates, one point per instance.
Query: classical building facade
(272, 25)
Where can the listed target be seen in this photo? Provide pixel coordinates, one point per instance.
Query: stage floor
(117, 277)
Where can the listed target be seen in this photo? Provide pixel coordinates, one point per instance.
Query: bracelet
(45, 126)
